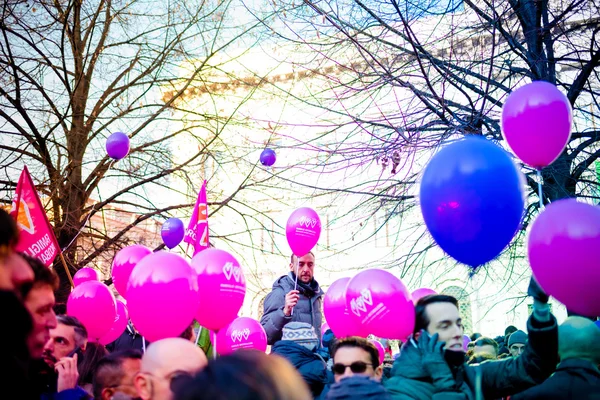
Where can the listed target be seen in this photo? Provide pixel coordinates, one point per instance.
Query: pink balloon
(380, 301)
(466, 341)
(302, 230)
(84, 275)
(420, 293)
(380, 349)
(162, 295)
(324, 329)
(94, 305)
(123, 264)
(564, 253)
(118, 327)
(536, 123)
(222, 288)
(337, 314)
(241, 333)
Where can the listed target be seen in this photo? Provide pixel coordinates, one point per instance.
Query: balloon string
(540, 194)
(215, 346)
(143, 345)
(296, 266)
(198, 336)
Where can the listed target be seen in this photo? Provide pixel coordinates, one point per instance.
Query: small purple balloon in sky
(117, 145)
(267, 157)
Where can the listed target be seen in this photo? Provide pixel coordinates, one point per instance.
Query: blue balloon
(267, 157)
(172, 232)
(472, 199)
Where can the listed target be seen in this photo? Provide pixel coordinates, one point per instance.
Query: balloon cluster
(472, 199)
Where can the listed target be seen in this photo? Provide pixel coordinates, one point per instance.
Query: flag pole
(64, 263)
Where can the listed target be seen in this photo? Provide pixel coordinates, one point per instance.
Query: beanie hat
(301, 333)
(517, 337)
(359, 388)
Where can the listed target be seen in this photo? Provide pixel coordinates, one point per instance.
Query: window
(464, 306)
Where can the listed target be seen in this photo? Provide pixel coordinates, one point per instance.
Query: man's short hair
(362, 343)
(42, 275)
(421, 317)
(293, 255)
(109, 370)
(9, 233)
(81, 334)
(486, 341)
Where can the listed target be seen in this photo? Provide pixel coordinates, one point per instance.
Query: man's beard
(47, 356)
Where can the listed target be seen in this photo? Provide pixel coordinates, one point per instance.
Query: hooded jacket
(489, 380)
(309, 364)
(307, 310)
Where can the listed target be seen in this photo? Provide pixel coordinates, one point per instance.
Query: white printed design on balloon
(234, 271)
(238, 335)
(360, 304)
(307, 222)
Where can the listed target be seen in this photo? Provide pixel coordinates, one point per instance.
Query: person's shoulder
(284, 283)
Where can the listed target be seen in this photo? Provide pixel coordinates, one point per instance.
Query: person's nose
(347, 372)
(51, 323)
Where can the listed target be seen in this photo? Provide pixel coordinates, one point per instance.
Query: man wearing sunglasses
(164, 363)
(296, 297)
(432, 364)
(355, 356)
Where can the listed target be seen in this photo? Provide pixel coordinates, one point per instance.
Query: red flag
(36, 235)
(196, 233)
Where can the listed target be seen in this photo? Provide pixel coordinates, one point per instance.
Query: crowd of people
(48, 355)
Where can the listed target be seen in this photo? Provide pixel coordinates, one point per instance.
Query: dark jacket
(129, 339)
(357, 388)
(492, 379)
(573, 379)
(309, 364)
(307, 310)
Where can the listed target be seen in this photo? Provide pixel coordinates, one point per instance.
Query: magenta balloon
(337, 314)
(564, 253)
(380, 349)
(379, 301)
(118, 327)
(420, 293)
(162, 295)
(466, 341)
(241, 333)
(123, 264)
(222, 288)
(94, 305)
(536, 123)
(303, 230)
(84, 275)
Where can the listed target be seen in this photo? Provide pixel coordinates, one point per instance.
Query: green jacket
(488, 380)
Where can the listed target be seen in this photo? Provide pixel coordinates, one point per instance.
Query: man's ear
(142, 385)
(107, 393)
(378, 373)
(83, 346)
(416, 335)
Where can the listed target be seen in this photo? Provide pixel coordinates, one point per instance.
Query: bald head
(579, 338)
(165, 360)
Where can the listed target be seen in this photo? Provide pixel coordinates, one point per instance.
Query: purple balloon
(94, 305)
(268, 157)
(84, 275)
(123, 264)
(172, 232)
(117, 145)
(337, 314)
(536, 123)
(303, 230)
(380, 302)
(466, 341)
(162, 295)
(564, 254)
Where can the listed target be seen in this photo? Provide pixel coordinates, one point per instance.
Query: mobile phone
(75, 350)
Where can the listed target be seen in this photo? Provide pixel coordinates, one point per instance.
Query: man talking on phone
(57, 371)
(432, 364)
(293, 298)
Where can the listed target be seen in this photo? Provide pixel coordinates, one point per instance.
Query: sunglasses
(357, 367)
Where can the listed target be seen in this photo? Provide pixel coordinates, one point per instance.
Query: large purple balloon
(267, 157)
(94, 305)
(381, 303)
(337, 314)
(564, 253)
(162, 295)
(303, 230)
(85, 274)
(117, 145)
(172, 232)
(118, 327)
(242, 333)
(123, 264)
(222, 288)
(536, 123)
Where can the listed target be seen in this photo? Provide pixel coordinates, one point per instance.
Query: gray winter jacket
(307, 310)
